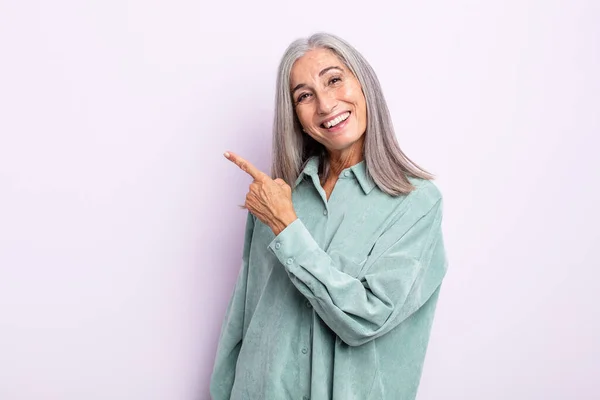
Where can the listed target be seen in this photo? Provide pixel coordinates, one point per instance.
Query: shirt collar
(311, 167)
(362, 175)
(359, 170)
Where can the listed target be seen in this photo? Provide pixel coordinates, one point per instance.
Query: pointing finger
(246, 166)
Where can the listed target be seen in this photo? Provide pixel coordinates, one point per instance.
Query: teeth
(336, 121)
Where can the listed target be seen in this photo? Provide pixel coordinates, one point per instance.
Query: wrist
(282, 222)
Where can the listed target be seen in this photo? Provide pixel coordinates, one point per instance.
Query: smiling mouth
(336, 121)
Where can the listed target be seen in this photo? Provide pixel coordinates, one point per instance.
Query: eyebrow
(323, 72)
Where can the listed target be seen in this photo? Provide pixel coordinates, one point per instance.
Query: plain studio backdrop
(120, 235)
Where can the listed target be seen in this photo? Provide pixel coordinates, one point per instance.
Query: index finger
(246, 166)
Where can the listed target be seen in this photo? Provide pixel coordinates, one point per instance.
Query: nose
(326, 103)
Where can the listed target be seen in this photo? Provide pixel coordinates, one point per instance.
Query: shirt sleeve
(231, 335)
(406, 266)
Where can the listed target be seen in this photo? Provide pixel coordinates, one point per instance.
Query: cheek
(354, 94)
(305, 116)
(361, 107)
(301, 114)
(359, 100)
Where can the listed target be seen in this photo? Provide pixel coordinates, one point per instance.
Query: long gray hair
(386, 163)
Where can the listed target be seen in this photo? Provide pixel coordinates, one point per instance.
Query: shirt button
(324, 212)
(304, 350)
(305, 398)
(308, 304)
(289, 261)
(347, 173)
(277, 245)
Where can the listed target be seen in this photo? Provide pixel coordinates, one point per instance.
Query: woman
(341, 274)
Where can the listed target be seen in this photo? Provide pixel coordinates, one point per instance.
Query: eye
(302, 97)
(334, 80)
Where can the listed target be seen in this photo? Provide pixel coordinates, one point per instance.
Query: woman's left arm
(404, 269)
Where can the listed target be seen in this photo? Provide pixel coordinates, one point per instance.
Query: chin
(346, 139)
(342, 143)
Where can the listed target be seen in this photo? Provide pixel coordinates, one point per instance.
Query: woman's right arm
(230, 340)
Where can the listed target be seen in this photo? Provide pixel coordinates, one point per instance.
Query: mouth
(336, 123)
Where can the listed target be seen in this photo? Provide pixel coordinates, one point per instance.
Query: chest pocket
(353, 242)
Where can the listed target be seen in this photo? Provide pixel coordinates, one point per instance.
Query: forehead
(313, 62)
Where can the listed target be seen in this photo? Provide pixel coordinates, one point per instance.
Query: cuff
(291, 243)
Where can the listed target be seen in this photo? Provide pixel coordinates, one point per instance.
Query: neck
(342, 159)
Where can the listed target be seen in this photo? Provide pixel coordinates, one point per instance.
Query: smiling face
(328, 100)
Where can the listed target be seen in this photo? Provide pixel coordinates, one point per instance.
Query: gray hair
(386, 163)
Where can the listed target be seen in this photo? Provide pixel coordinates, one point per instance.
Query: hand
(269, 200)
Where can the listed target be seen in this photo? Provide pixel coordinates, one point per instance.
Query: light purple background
(120, 238)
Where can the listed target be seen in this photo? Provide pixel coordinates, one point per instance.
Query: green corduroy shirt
(340, 304)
